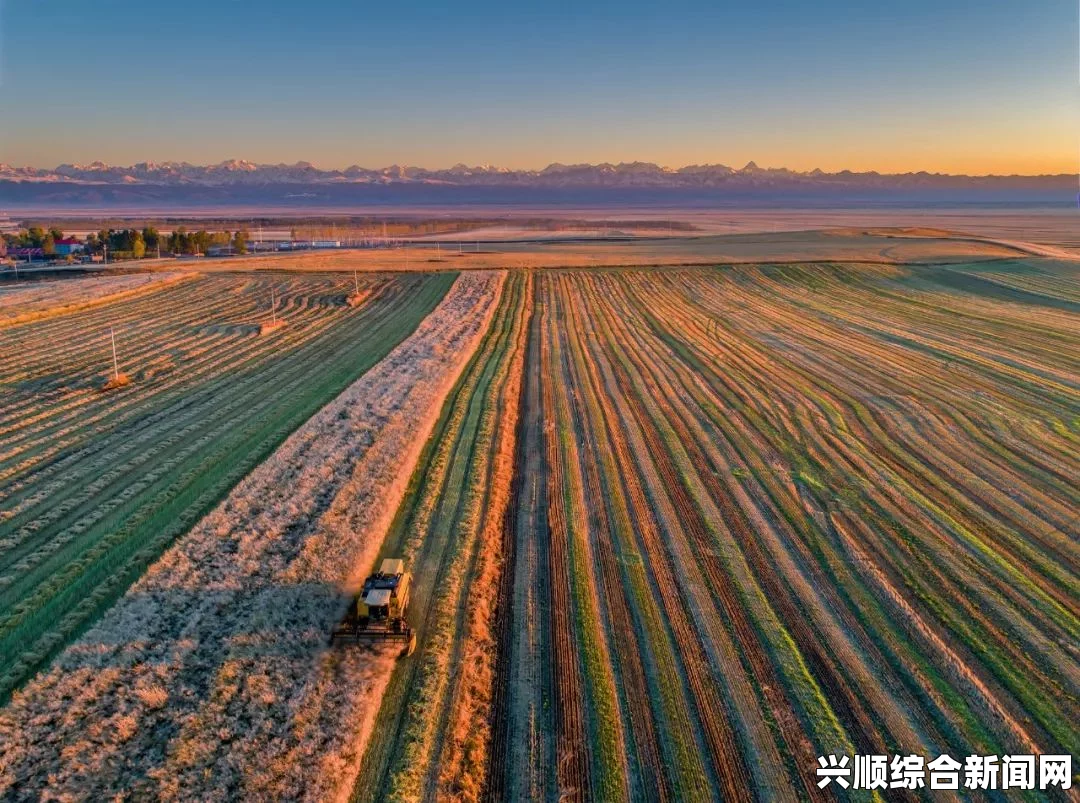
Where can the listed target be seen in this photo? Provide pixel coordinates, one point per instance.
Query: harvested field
(94, 486)
(879, 246)
(765, 513)
(211, 679)
(28, 301)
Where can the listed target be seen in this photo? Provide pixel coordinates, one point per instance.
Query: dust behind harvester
(379, 611)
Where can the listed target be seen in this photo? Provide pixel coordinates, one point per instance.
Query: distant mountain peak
(236, 164)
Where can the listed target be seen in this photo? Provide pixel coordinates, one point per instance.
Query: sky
(941, 85)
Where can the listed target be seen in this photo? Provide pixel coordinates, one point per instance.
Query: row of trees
(182, 241)
(130, 243)
(124, 243)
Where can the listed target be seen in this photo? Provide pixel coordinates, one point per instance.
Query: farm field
(883, 245)
(674, 532)
(211, 679)
(770, 512)
(94, 486)
(26, 301)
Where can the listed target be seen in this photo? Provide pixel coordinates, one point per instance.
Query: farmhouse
(68, 246)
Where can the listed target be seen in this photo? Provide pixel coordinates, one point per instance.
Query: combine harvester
(379, 611)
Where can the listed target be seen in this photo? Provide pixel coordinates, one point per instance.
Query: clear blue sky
(929, 84)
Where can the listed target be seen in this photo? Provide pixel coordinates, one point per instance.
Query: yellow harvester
(379, 611)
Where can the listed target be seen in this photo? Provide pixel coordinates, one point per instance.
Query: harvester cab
(378, 613)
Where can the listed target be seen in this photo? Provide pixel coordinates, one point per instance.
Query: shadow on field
(976, 285)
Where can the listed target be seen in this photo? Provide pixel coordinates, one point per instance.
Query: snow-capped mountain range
(633, 174)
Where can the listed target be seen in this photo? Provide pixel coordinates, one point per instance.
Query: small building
(26, 253)
(68, 246)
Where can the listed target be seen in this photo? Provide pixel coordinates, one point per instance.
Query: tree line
(130, 243)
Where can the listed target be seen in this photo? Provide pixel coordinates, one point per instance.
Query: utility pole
(115, 363)
(273, 305)
(356, 283)
(105, 248)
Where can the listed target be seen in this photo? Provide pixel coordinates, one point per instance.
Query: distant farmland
(93, 485)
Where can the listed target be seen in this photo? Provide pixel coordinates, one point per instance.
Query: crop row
(29, 301)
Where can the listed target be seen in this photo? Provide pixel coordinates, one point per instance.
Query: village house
(68, 247)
